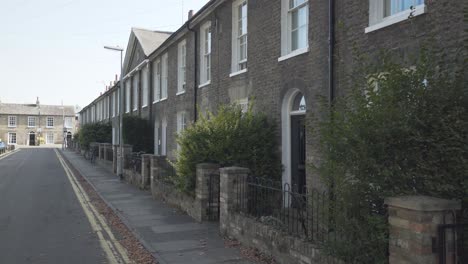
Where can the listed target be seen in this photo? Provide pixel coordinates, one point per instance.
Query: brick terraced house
(284, 54)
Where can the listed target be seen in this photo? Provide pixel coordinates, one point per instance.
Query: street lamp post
(120, 152)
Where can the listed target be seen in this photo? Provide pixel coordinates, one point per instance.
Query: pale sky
(54, 48)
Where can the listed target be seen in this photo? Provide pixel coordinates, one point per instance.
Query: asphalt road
(41, 220)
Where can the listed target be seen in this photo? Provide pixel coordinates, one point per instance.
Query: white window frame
(157, 66)
(164, 138)
(286, 31)
(127, 95)
(181, 123)
(68, 122)
(31, 121)
(12, 121)
(205, 54)
(10, 138)
(378, 20)
(238, 66)
(114, 105)
(135, 90)
(164, 76)
(144, 86)
(48, 123)
(181, 67)
(48, 141)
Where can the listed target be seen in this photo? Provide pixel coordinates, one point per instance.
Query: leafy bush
(229, 138)
(400, 131)
(96, 132)
(138, 133)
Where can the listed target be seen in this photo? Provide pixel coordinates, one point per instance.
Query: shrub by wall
(229, 138)
(96, 132)
(401, 131)
(138, 133)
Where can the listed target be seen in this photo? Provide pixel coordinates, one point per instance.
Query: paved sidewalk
(171, 236)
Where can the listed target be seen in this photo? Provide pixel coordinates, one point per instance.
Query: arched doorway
(294, 140)
(32, 138)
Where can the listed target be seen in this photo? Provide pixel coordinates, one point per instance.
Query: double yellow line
(115, 253)
(9, 153)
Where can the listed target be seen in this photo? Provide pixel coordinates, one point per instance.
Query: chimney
(190, 14)
(116, 77)
(37, 100)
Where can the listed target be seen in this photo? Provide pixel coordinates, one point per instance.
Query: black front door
(298, 153)
(32, 139)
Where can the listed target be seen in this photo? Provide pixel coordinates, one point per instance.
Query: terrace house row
(284, 55)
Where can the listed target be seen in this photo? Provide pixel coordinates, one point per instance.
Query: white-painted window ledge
(181, 92)
(402, 16)
(205, 84)
(294, 54)
(238, 72)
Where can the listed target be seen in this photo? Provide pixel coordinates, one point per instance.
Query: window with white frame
(50, 121)
(157, 80)
(383, 13)
(144, 87)
(11, 138)
(68, 122)
(205, 54)
(294, 26)
(164, 76)
(181, 121)
(127, 95)
(117, 93)
(31, 121)
(114, 105)
(135, 91)
(239, 35)
(12, 121)
(160, 137)
(181, 63)
(50, 138)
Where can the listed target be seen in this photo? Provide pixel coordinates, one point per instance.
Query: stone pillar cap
(423, 203)
(235, 169)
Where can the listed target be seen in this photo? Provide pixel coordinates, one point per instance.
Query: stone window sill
(402, 16)
(294, 54)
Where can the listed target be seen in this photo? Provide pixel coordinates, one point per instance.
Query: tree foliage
(229, 138)
(400, 131)
(138, 133)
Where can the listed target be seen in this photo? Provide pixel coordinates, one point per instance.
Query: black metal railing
(110, 154)
(453, 240)
(133, 161)
(166, 172)
(294, 210)
(213, 196)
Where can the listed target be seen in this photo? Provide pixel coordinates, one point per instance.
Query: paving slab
(172, 236)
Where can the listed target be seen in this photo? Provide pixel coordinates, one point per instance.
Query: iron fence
(453, 239)
(213, 196)
(166, 172)
(133, 161)
(294, 210)
(110, 154)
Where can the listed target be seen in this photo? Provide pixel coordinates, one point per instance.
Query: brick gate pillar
(233, 180)
(413, 222)
(202, 191)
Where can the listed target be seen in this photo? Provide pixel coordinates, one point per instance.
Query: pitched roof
(33, 109)
(149, 41)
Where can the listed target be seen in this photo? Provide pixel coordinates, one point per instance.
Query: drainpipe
(331, 49)
(195, 70)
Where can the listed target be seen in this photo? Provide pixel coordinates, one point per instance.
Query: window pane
(294, 40)
(396, 6)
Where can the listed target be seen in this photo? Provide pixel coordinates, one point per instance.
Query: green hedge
(138, 133)
(229, 138)
(401, 131)
(96, 132)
